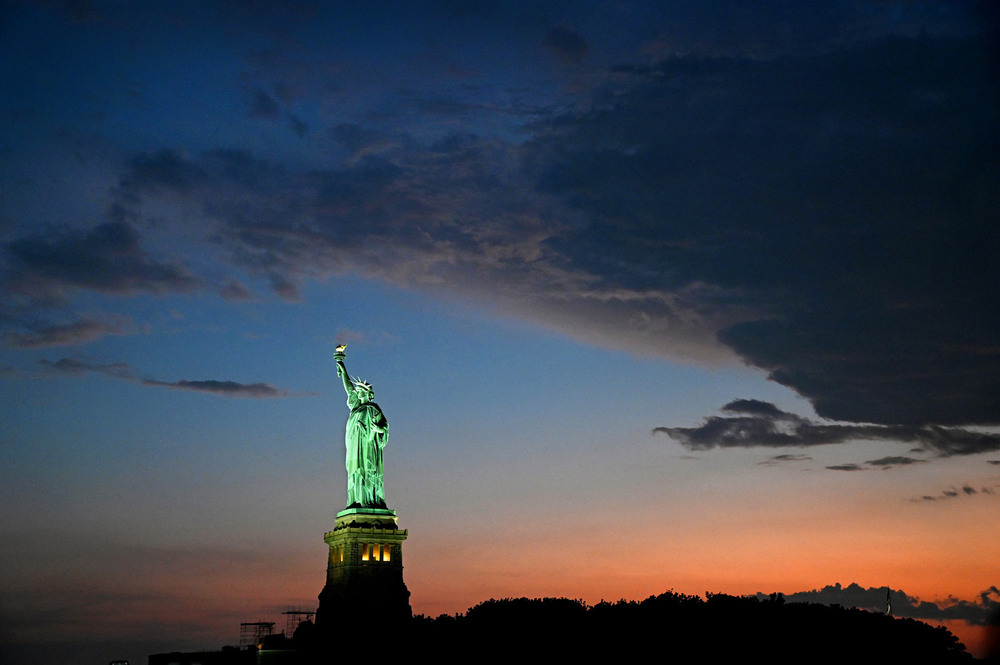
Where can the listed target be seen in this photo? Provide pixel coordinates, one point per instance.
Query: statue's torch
(339, 356)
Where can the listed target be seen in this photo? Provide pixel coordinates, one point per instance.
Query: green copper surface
(366, 435)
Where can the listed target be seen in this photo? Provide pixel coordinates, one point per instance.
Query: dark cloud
(75, 366)
(954, 493)
(894, 461)
(777, 459)
(224, 388)
(80, 331)
(455, 216)
(845, 467)
(162, 170)
(263, 105)
(791, 458)
(829, 216)
(771, 427)
(976, 612)
(819, 192)
(107, 258)
(773, 28)
(754, 407)
(569, 46)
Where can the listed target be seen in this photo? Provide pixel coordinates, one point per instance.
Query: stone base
(364, 575)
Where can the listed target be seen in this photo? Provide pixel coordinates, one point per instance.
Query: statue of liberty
(366, 435)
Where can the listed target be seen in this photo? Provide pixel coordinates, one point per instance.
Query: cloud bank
(755, 423)
(824, 209)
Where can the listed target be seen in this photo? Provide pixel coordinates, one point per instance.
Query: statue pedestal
(364, 573)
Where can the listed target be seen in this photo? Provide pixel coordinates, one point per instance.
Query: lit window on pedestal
(364, 551)
(385, 553)
(376, 552)
(340, 552)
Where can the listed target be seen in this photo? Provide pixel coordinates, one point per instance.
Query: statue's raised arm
(366, 435)
(339, 356)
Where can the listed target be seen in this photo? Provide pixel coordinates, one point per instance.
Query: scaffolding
(251, 633)
(294, 618)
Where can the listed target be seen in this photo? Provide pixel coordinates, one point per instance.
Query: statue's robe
(364, 453)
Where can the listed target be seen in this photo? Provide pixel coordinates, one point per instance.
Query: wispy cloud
(80, 331)
(74, 366)
(234, 290)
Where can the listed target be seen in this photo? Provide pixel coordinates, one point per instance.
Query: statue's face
(363, 395)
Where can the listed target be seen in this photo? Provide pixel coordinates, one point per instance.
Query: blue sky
(654, 295)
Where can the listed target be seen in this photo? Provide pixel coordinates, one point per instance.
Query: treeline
(674, 627)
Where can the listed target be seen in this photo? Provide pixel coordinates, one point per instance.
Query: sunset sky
(672, 295)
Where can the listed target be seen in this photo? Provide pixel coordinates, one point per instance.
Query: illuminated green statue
(366, 436)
